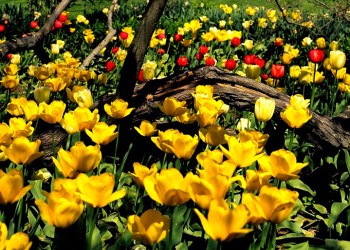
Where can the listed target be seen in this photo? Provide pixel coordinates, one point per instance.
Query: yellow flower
(15, 59)
(17, 241)
(69, 123)
(56, 84)
(85, 118)
(223, 223)
(118, 109)
(10, 82)
(242, 153)
(306, 41)
(149, 68)
(207, 36)
(295, 118)
(22, 151)
(5, 134)
(121, 55)
(15, 106)
(168, 187)
(31, 111)
(80, 159)
(281, 164)
(248, 44)
(193, 26)
(11, 69)
(213, 135)
(97, 190)
(53, 112)
(207, 113)
(251, 134)
(264, 109)
(252, 71)
(272, 204)
(250, 10)
(62, 209)
(83, 98)
(82, 75)
(287, 58)
(321, 43)
(298, 101)
(183, 146)
(20, 127)
(141, 172)
(42, 94)
(294, 71)
(256, 179)
(12, 188)
(81, 19)
(55, 49)
(164, 140)
(102, 133)
(334, 45)
(147, 128)
(337, 59)
(173, 107)
(186, 118)
(339, 74)
(262, 22)
(152, 227)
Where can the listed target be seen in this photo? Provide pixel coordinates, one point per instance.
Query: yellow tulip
(294, 71)
(204, 91)
(101, 133)
(334, 45)
(11, 69)
(56, 84)
(121, 55)
(53, 112)
(281, 164)
(321, 43)
(250, 10)
(256, 179)
(12, 188)
(42, 94)
(207, 114)
(264, 108)
(5, 134)
(173, 107)
(295, 118)
(62, 208)
(15, 59)
(83, 98)
(10, 82)
(272, 204)
(152, 227)
(251, 134)
(82, 75)
(15, 106)
(183, 146)
(80, 159)
(147, 128)
(22, 151)
(168, 187)
(31, 111)
(287, 58)
(164, 140)
(44, 72)
(252, 71)
(298, 101)
(20, 127)
(97, 190)
(141, 172)
(85, 118)
(213, 135)
(248, 44)
(118, 109)
(69, 123)
(18, 241)
(241, 153)
(186, 118)
(337, 59)
(223, 223)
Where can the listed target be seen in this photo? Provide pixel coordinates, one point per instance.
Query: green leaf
(347, 159)
(177, 224)
(321, 209)
(337, 244)
(301, 246)
(96, 243)
(336, 209)
(298, 184)
(36, 190)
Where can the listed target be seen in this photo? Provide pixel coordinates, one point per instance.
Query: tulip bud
(252, 71)
(337, 59)
(42, 94)
(334, 45)
(264, 108)
(321, 43)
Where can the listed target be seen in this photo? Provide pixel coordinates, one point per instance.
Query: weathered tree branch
(105, 41)
(30, 41)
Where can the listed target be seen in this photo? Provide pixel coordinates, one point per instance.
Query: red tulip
(203, 49)
(2, 28)
(161, 51)
(9, 56)
(34, 24)
(230, 64)
(260, 62)
(210, 61)
(249, 59)
(110, 65)
(62, 18)
(115, 50)
(199, 56)
(123, 35)
(140, 76)
(316, 55)
(161, 36)
(178, 37)
(264, 76)
(235, 41)
(277, 71)
(182, 61)
(58, 24)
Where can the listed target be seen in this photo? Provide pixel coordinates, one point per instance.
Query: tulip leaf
(177, 224)
(300, 246)
(36, 190)
(321, 209)
(337, 244)
(298, 184)
(96, 243)
(336, 209)
(347, 159)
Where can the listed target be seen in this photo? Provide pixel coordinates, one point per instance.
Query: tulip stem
(93, 215)
(313, 89)
(115, 152)
(169, 245)
(291, 137)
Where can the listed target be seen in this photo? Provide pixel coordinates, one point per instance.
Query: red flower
(178, 37)
(199, 56)
(316, 55)
(264, 76)
(235, 41)
(115, 50)
(277, 71)
(58, 24)
(161, 51)
(140, 76)
(62, 18)
(161, 36)
(123, 35)
(2, 28)
(230, 64)
(203, 49)
(249, 59)
(210, 61)
(278, 42)
(182, 61)
(110, 65)
(260, 62)
(34, 24)
(9, 56)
